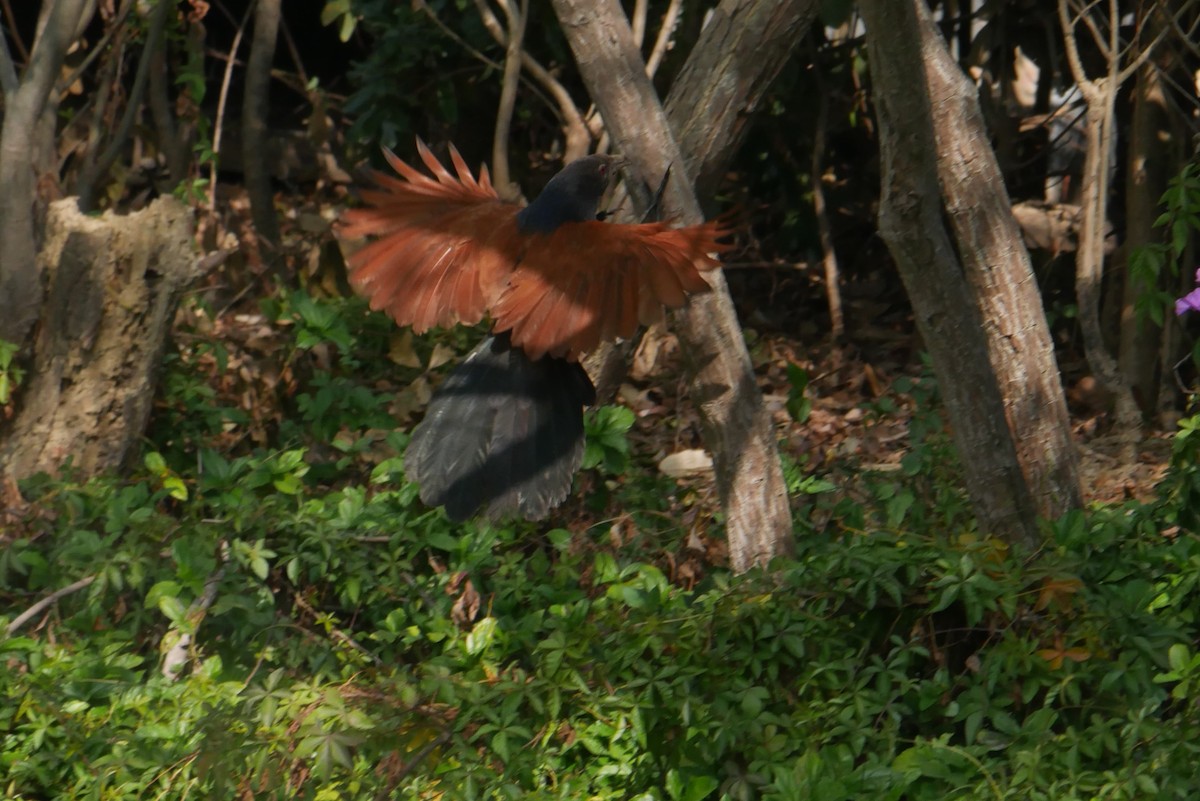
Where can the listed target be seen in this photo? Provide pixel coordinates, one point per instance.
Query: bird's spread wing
(442, 247)
(590, 282)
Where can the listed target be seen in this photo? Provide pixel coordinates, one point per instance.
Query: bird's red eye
(603, 170)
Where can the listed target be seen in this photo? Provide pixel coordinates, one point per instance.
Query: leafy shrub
(360, 645)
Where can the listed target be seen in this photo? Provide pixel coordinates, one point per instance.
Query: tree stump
(112, 287)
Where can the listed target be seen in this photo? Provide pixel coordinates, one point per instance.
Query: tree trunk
(255, 104)
(1001, 281)
(711, 102)
(911, 222)
(1155, 153)
(20, 284)
(113, 286)
(1100, 97)
(737, 428)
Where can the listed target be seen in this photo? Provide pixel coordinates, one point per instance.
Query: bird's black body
(503, 432)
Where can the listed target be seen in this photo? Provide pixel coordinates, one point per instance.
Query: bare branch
(99, 49)
(1113, 51)
(11, 22)
(575, 130)
(670, 20)
(8, 71)
(1073, 58)
(20, 284)
(44, 604)
(514, 39)
(824, 229)
(637, 22)
(222, 99)
(1085, 16)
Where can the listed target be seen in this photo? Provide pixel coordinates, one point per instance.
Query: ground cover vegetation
(260, 607)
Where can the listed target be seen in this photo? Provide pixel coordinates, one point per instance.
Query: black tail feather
(503, 432)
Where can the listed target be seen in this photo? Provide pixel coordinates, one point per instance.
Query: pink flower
(1190, 301)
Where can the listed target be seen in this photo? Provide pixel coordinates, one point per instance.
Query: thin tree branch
(101, 46)
(11, 22)
(670, 20)
(8, 71)
(222, 99)
(44, 604)
(508, 94)
(154, 41)
(637, 22)
(1073, 58)
(1085, 16)
(20, 284)
(294, 52)
(575, 130)
(833, 295)
(334, 631)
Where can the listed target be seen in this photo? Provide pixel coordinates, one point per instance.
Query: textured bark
(1001, 281)
(1100, 97)
(911, 222)
(737, 429)
(20, 284)
(709, 106)
(254, 124)
(113, 285)
(1155, 151)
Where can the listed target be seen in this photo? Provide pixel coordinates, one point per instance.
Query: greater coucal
(505, 430)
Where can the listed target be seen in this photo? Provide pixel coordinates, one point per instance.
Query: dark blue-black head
(573, 195)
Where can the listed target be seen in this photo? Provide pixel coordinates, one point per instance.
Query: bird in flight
(504, 431)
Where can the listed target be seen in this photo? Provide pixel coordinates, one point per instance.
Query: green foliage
(11, 375)
(408, 72)
(357, 645)
(799, 405)
(606, 429)
(1179, 220)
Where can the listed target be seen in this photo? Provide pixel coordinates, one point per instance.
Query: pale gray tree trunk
(737, 428)
(25, 101)
(1000, 280)
(911, 222)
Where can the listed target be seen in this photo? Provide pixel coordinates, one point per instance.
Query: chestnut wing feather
(583, 282)
(442, 249)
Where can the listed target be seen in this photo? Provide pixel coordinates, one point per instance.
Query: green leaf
(173, 608)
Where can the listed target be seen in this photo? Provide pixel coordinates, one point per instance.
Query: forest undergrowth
(265, 610)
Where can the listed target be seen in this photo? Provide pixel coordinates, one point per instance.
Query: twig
(824, 231)
(421, 755)
(35, 610)
(637, 22)
(222, 98)
(170, 143)
(670, 20)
